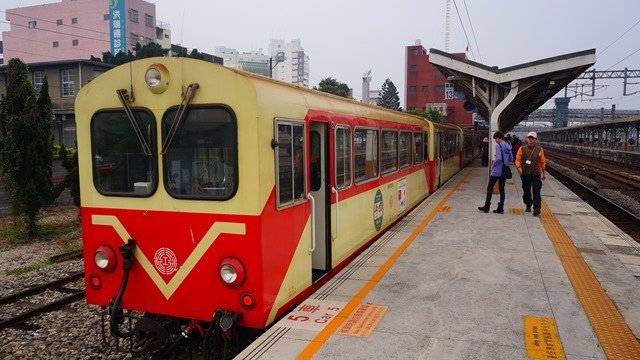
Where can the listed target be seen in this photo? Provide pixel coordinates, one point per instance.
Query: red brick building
(425, 87)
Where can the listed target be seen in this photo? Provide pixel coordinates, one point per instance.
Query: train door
(319, 176)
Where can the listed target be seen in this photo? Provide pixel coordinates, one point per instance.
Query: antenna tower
(447, 30)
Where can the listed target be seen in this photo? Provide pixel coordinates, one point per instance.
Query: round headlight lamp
(152, 77)
(105, 258)
(157, 78)
(232, 272)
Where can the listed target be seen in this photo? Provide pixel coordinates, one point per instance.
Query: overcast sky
(345, 38)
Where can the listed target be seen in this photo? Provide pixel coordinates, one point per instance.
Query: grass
(55, 223)
(58, 225)
(25, 270)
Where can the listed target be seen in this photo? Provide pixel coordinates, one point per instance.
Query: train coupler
(221, 338)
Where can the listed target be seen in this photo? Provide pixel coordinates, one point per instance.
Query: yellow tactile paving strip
(616, 339)
(337, 321)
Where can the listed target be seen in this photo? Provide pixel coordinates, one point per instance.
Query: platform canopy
(506, 96)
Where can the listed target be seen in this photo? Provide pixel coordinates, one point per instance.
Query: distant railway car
(213, 198)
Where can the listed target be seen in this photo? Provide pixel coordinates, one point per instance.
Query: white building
(163, 34)
(374, 96)
(254, 61)
(290, 62)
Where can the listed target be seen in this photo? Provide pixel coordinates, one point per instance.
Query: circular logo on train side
(378, 210)
(165, 261)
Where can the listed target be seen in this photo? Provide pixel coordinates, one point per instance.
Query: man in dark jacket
(530, 163)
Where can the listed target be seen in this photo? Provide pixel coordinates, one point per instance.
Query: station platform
(450, 282)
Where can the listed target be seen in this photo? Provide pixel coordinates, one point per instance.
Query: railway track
(72, 295)
(623, 219)
(626, 177)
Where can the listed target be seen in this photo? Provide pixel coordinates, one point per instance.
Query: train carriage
(213, 196)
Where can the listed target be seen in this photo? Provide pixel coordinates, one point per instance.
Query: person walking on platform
(503, 155)
(530, 164)
(485, 151)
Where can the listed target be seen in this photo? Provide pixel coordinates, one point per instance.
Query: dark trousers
(531, 182)
(492, 182)
(485, 159)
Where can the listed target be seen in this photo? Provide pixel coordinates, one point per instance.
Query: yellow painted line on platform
(541, 338)
(616, 339)
(446, 209)
(324, 335)
(515, 211)
(363, 320)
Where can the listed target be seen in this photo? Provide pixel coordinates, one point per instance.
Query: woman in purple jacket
(502, 155)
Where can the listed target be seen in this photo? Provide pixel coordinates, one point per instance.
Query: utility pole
(279, 58)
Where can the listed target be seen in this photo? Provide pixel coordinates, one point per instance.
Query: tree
(431, 114)
(26, 144)
(117, 59)
(435, 115)
(389, 97)
(150, 50)
(333, 86)
(72, 179)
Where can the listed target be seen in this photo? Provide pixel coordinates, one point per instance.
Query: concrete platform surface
(456, 283)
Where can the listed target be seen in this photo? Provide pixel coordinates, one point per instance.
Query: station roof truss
(619, 134)
(507, 96)
(609, 125)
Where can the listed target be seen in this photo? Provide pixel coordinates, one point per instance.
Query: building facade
(427, 88)
(254, 61)
(65, 79)
(79, 29)
(291, 63)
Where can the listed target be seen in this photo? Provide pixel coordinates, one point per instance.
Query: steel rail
(12, 321)
(626, 221)
(40, 288)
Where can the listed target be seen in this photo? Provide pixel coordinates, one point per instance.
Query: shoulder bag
(506, 170)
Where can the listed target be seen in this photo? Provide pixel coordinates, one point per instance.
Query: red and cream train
(213, 198)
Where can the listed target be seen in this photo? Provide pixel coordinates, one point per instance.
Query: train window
(343, 157)
(120, 166)
(406, 149)
(389, 151)
(426, 146)
(418, 148)
(315, 158)
(201, 161)
(365, 146)
(290, 163)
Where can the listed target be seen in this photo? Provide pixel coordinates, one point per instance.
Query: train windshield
(120, 166)
(201, 162)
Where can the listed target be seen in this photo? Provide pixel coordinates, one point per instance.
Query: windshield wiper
(124, 99)
(186, 100)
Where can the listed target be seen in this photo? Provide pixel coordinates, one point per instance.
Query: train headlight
(105, 258)
(157, 78)
(232, 272)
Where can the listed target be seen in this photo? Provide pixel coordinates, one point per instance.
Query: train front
(168, 233)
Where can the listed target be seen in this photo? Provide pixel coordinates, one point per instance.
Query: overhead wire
(14, 23)
(618, 38)
(473, 32)
(625, 58)
(464, 30)
(55, 22)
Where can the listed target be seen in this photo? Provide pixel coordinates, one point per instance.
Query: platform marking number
(313, 314)
(378, 210)
(448, 91)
